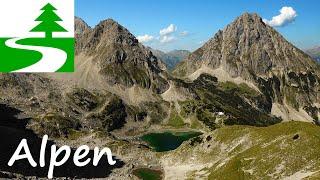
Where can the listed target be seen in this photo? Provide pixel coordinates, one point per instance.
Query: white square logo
(37, 36)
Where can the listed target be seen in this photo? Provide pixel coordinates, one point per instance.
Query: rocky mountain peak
(110, 31)
(80, 26)
(248, 45)
(120, 58)
(250, 50)
(107, 33)
(110, 23)
(249, 17)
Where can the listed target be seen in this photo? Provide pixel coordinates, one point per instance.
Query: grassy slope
(276, 152)
(14, 59)
(175, 120)
(243, 152)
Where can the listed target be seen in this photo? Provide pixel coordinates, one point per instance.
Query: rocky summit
(250, 51)
(119, 57)
(80, 27)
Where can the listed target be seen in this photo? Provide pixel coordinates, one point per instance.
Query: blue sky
(196, 21)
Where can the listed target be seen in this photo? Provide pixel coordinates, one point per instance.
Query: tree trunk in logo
(49, 35)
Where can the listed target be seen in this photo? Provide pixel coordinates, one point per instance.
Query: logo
(36, 36)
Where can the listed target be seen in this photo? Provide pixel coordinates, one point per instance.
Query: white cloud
(168, 30)
(166, 35)
(167, 39)
(145, 38)
(184, 33)
(286, 16)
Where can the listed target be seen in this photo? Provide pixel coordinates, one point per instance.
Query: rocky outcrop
(250, 50)
(57, 112)
(80, 26)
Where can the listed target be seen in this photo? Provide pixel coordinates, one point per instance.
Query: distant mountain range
(172, 58)
(314, 53)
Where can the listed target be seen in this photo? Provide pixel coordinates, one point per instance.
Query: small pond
(148, 174)
(167, 141)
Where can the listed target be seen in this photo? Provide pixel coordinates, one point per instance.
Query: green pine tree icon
(48, 21)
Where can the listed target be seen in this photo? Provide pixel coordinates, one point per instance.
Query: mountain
(80, 26)
(172, 58)
(249, 51)
(314, 53)
(119, 57)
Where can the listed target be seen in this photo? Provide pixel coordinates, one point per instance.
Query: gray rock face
(80, 26)
(254, 51)
(121, 58)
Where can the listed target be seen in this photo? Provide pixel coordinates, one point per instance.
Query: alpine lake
(162, 142)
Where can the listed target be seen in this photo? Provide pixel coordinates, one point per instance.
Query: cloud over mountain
(168, 30)
(166, 34)
(286, 16)
(167, 39)
(145, 38)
